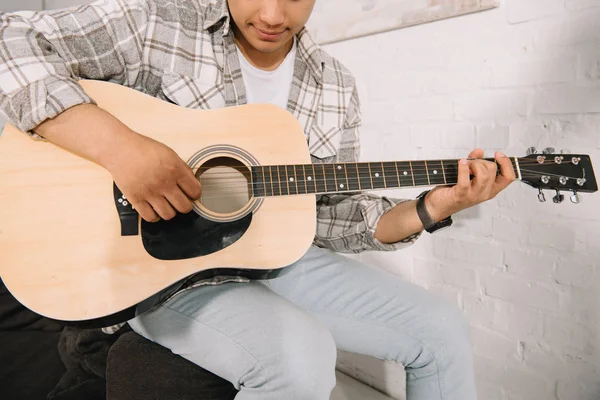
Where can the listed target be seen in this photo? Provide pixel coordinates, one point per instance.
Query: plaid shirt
(183, 51)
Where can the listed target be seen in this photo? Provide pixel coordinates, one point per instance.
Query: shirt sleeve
(43, 54)
(346, 223)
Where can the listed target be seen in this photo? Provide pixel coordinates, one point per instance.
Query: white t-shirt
(268, 86)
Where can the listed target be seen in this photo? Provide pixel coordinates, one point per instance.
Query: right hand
(153, 178)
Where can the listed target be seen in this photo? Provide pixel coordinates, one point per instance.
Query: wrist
(435, 206)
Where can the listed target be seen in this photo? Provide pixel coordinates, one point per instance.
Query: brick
(489, 391)
(424, 108)
(576, 271)
(485, 339)
(576, 30)
(505, 375)
(509, 230)
(479, 310)
(581, 5)
(562, 333)
(568, 390)
(516, 321)
(567, 100)
(493, 137)
(588, 66)
(467, 251)
(517, 291)
(452, 80)
(558, 236)
(461, 276)
(490, 105)
(526, 10)
(533, 266)
(458, 136)
(531, 73)
(426, 135)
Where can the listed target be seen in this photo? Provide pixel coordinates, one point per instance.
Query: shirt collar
(217, 12)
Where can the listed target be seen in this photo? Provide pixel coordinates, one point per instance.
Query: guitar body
(62, 252)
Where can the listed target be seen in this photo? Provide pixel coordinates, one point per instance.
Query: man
(272, 339)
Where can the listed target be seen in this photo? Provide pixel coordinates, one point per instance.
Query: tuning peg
(549, 150)
(531, 150)
(541, 196)
(576, 198)
(559, 198)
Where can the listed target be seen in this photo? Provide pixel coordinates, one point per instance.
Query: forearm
(403, 221)
(88, 131)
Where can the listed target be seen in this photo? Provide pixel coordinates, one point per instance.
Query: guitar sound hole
(226, 185)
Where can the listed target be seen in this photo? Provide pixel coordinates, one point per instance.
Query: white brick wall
(527, 275)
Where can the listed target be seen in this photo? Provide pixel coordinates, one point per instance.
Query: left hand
(444, 201)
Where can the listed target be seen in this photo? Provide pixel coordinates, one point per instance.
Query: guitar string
(377, 164)
(245, 190)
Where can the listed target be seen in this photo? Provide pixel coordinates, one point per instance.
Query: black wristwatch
(428, 222)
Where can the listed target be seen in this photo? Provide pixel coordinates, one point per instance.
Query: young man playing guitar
(272, 339)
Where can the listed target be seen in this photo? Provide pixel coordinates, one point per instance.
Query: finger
(507, 171)
(146, 211)
(180, 201)
(190, 186)
(477, 153)
(464, 175)
(163, 208)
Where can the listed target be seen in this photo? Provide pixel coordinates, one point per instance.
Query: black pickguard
(190, 235)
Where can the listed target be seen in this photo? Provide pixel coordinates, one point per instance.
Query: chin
(266, 47)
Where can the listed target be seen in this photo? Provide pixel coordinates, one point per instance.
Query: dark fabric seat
(40, 359)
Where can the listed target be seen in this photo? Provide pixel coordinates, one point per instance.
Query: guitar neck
(285, 180)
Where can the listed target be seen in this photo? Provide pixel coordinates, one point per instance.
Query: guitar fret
(314, 178)
(257, 182)
(325, 178)
(283, 182)
(443, 172)
(451, 172)
(420, 175)
(364, 176)
(427, 173)
(330, 178)
(320, 184)
(370, 175)
(276, 186)
(268, 183)
(391, 174)
(435, 173)
(377, 176)
(352, 177)
(358, 177)
(278, 180)
(301, 179)
(291, 179)
(412, 173)
(341, 182)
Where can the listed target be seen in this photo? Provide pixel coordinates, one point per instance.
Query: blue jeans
(277, 339)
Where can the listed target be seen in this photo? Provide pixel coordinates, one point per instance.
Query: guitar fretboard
(284, 180)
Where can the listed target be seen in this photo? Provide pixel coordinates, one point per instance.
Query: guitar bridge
(127, 214)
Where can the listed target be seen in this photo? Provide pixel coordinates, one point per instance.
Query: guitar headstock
(559, 172)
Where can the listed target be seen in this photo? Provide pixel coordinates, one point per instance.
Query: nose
(271, 13)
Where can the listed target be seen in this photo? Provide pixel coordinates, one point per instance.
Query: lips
(268, 35)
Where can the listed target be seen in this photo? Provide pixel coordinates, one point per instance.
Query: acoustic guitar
(73, 249)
